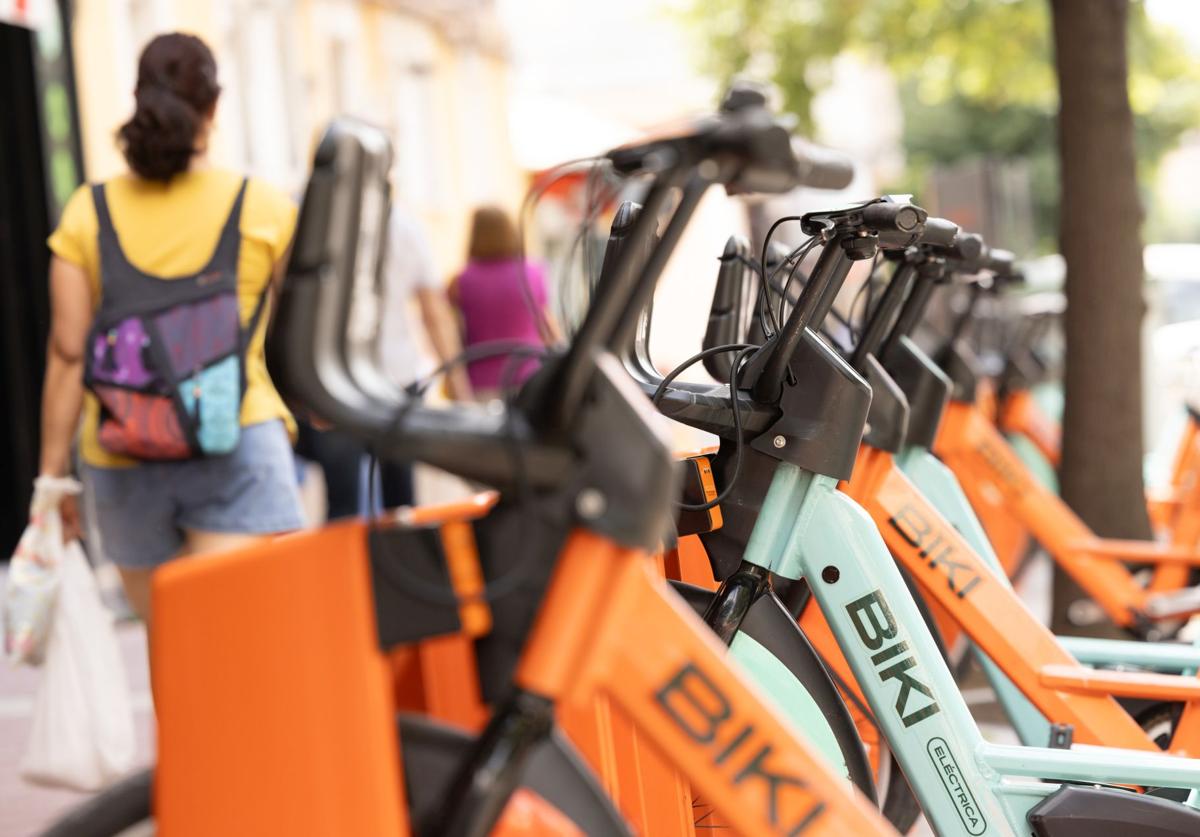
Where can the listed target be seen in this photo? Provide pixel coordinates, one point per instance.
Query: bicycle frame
(807, 528)
(1168, 505)
(938, 484)
(437, 676)
(1021, 415)
(679, 695)
(996, 480)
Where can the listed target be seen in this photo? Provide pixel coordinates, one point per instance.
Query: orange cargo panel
(275, 710)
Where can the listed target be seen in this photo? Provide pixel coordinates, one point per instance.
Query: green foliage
(976, 76)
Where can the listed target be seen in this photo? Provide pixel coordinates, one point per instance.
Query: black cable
(770, 232)
(763, 260)
(797, 256)
(743, 350)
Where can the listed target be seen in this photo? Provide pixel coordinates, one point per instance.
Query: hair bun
(159, 140)
(176, 88)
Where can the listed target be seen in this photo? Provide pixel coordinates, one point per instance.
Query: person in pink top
(500, 296)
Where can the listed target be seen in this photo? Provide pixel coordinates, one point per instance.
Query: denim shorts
(140, 513)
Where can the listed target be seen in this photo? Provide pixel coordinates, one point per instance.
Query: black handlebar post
(914, 307)
(824, 303)
(830, 271)
(604, 314)
(968, 313)
(880, 323)
(930, 261)
(643, 291)
(849, 235)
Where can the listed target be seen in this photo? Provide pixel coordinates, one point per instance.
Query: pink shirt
(495, 306)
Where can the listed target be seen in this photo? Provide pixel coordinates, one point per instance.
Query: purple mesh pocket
(117, 354)
(197, 333)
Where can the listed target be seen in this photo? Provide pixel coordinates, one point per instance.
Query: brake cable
(743, 351)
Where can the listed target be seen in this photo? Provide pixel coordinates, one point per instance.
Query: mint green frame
(939, 485)
(966, 786)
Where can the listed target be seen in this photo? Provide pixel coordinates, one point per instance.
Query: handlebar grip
(939, 232)
(999, 262)
(885, 217)
(822, 168)
(967, 247)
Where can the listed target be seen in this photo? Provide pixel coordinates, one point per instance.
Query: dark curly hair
(176, 89)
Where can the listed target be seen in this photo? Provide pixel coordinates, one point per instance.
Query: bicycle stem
(828, 276)
(880, 322)
(604, 316)
(914, 309)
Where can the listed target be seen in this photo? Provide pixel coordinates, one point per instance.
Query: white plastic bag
(82, 735)
(29, 595)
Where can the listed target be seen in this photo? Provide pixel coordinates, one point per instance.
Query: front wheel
(122, 810)
(781, 661)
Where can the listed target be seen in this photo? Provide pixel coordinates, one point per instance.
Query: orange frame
(590, 639)
(949, 572)
(1019, 413)
(289, 644)
(998, 484)
(1169, 512)
(1169, 506)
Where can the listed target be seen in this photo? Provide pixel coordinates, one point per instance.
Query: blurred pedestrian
(181, 256)
(411, 285)
(501, 296)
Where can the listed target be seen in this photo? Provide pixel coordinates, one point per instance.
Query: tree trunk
(1101, 474)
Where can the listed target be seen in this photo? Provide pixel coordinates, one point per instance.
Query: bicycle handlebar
(742, 147)
(822, 168)
(750, 149)
(940, 233)
(1000, 262)
(967, 247)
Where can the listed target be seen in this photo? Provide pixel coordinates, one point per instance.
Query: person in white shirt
(414, 301)
(411, 287)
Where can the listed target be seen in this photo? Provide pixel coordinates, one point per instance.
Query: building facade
(433, 73)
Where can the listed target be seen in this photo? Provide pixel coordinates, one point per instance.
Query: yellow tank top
(171, 229)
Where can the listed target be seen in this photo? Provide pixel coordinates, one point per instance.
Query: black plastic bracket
(824, 413)
(961, 365)
(401, 615)
(925, 385)
(887, 421)
(1061, 736)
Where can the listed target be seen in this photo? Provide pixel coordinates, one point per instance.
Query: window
(418, 152)
(266, 121)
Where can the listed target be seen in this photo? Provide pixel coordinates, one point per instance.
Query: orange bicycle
(279, 716)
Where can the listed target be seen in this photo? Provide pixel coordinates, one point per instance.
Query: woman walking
(500, 296)
(159, 285)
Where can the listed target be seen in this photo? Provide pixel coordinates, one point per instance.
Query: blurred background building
(433, 72)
